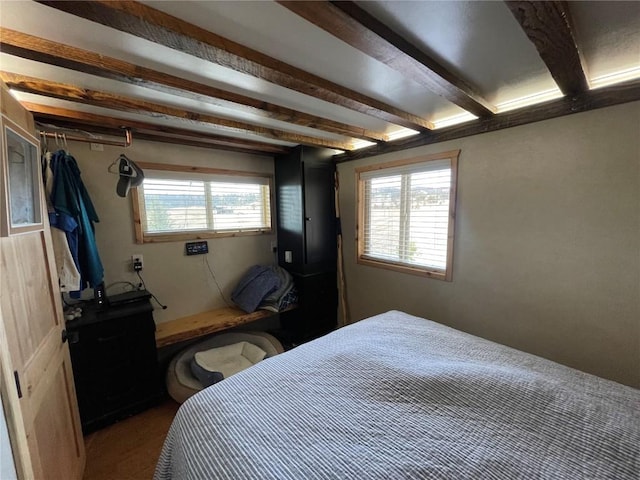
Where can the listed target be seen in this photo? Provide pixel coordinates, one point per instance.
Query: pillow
(225, 360)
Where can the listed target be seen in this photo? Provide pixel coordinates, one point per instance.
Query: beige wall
(183, 283)
(547, 247)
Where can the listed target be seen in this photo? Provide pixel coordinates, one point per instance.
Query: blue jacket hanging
(70, 199)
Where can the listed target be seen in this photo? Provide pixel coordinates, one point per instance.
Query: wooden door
(37, 380)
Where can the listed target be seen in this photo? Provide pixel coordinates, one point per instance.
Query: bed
(398, 397)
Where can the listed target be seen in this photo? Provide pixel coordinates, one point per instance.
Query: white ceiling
(481, 42)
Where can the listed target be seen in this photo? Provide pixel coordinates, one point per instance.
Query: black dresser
(115, 365)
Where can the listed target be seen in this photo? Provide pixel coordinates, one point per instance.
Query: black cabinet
(317, 307)
(306, 210)
(307, 245)
(114, 358)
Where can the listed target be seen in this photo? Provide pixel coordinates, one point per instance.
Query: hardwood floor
(129, 449)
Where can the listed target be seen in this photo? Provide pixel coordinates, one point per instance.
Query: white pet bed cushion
(181, 383)
(230, 359)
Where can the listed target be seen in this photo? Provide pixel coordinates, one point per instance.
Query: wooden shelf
(200, 324)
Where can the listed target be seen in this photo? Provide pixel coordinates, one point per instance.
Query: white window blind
(406, 214)
(175, 202)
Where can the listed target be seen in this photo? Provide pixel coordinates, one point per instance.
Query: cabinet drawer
(101, 346)
(99, 402)
(115, 363)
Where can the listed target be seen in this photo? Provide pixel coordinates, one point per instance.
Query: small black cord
(164, 307)
(141, 279)
(206, 260)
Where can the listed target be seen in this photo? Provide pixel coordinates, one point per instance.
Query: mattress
(398, 397)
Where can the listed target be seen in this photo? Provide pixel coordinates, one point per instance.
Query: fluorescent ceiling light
(616, 77)
(395, 135)
(357, 145)
(528, 100)
(455, 120)
(402, 133)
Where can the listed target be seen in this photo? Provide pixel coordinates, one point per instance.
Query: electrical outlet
(274, 247)
(136, 261)
(288, 256)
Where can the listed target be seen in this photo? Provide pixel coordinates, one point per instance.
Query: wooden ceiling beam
(193, 142)
(94, 122)
(356, 27)
(45, 51)
(158, 27)
(582, 102)
(73, 93)
(548, 25)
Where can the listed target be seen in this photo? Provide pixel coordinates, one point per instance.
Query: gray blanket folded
(273, 301)
(254, 286)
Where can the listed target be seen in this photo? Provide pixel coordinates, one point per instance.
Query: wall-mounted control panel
(197, 248)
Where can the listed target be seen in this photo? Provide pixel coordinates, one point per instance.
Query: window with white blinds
(405, 215)
(199, 204)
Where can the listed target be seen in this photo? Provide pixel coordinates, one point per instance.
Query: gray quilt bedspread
(395, 397)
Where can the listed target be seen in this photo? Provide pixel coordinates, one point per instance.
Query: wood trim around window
(139, 213)
(446, 275)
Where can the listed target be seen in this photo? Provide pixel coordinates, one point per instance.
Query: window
(185, 203)
(406, 212)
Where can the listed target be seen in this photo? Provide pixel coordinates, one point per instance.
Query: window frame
(137, 200)
(424, 271)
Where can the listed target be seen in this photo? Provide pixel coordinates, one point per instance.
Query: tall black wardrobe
(307, 245)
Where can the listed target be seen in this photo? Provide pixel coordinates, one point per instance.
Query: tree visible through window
(405, 215)
(202, 203)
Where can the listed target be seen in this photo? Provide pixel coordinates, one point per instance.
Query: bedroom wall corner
(547, 247)
(183, 283)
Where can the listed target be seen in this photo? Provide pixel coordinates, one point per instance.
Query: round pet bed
(181, 383)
